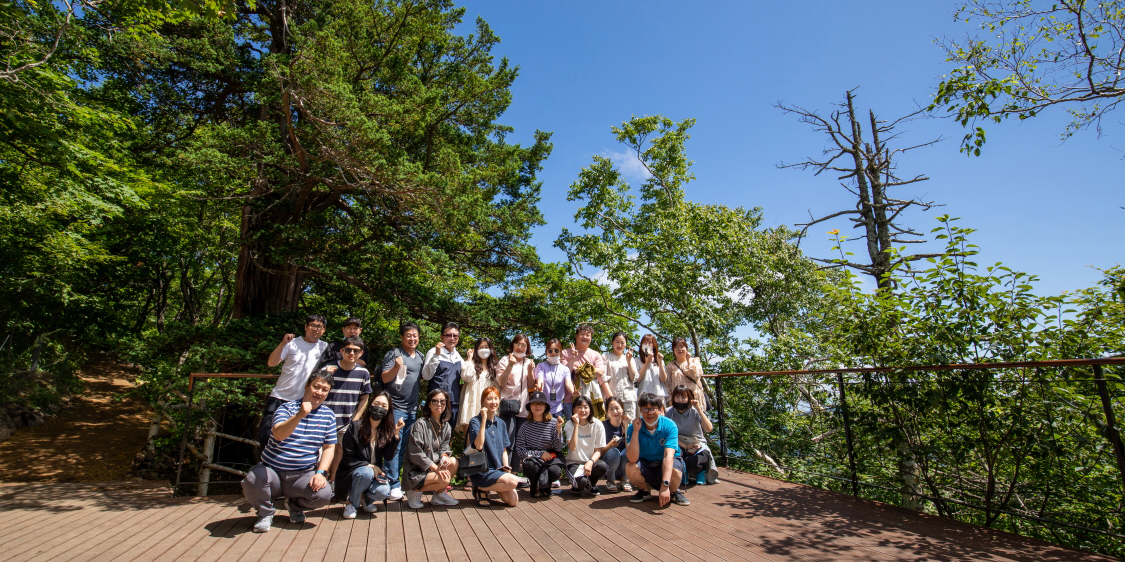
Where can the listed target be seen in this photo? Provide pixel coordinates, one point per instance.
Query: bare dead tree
(867, 167)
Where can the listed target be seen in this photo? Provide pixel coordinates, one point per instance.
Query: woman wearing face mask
(585, 439)
(693, 423)
(478, 373)
(686, 370)
(649, 363)
(369, 443)
(555, 380)
(515, 380)
(621, 375)
(616, 427)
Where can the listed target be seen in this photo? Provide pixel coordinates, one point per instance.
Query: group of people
(330, 427)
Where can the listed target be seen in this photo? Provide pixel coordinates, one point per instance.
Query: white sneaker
(349, 511)
(396, 494)
(443, 498)
(414, 499)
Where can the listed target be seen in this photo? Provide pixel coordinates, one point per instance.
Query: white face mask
(553, 359)
(647, 349)
(484, 353)
(519, 354)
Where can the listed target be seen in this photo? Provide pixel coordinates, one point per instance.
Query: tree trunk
(261, 289)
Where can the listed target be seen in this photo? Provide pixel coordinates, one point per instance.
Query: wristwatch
(324, 472)
(667, 483)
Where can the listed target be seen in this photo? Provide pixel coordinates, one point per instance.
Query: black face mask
(376, 413)
(680, 406)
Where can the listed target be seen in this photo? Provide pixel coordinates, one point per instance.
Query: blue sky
(1040, 205)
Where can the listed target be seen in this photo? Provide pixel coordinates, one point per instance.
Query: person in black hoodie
(368, 444)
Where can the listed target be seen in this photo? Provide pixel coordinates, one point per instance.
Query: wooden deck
(745, 517)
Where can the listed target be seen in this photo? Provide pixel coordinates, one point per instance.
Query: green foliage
(1031, 55)
(675, 267)
(1031, 441)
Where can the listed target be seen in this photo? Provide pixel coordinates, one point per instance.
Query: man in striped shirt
(302, 430)
(351, 388)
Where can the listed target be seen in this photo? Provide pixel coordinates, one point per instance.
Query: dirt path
(95, 440)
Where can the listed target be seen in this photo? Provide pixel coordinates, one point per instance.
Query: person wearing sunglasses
(429, 465)
(443, 365)
(351, 389)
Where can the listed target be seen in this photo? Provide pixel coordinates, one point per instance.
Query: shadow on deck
(745, 517)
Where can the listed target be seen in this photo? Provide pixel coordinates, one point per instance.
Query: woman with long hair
(478, 373)
(693, 425)
(585, 437)
(616, 429)
(429, 466)
(621, 374)
(539, 445)
(649, 362)
(686, 370)
(516, 378)
(487, 434)
(370, 442)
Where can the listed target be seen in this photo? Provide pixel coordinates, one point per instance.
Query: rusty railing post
(183, 439)
(848, 432)
(1112, 434)
(722, 419)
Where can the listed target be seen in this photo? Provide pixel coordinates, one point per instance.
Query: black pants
(541, 473)
(266, 427)
(596, 473)
(696, 463)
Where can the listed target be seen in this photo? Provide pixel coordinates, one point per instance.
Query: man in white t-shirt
(298, 358)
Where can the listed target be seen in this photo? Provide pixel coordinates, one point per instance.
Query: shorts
(652, 471)
(487, 478)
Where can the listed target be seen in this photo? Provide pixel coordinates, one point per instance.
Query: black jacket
(358, 454)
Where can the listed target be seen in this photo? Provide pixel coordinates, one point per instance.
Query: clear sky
(1040, 205)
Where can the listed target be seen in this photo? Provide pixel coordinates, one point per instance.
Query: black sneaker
(640, 496)
(589, 491)
(679, 498)
(523, 484)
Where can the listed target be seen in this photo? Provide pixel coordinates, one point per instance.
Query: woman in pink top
(516, 378)
(685, 370)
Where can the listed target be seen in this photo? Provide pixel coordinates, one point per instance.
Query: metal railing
(211, 435)
(848, 389)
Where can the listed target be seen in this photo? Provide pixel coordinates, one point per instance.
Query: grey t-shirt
(403, 389)
(690, 425)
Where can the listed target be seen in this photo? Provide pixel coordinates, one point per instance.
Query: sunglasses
(554, 351)
(439, 402)
(351, 351)
(650, 410)
(454, 336)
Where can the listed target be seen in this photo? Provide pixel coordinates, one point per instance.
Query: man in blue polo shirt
(653, 450)
(303, 430)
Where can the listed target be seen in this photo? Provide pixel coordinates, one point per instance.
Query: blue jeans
(568, 410)
(365, 489)
(394, 465)
(615, 461)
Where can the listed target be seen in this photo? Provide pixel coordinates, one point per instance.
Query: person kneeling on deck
(302, 430)
(653, 450)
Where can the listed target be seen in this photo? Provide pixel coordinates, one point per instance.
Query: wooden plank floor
(745, 517)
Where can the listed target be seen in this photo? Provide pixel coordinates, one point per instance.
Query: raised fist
(398, 361)
(287, 338)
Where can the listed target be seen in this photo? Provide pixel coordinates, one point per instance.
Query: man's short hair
(354, 320)
(319, 375)
(584, 328)
(649, 399)
(316, 318)
(406, 327)
(449, 325)
(353, 340)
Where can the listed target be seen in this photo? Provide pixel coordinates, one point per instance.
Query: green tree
(1031, 55)
(675, 267)
(357, 140)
